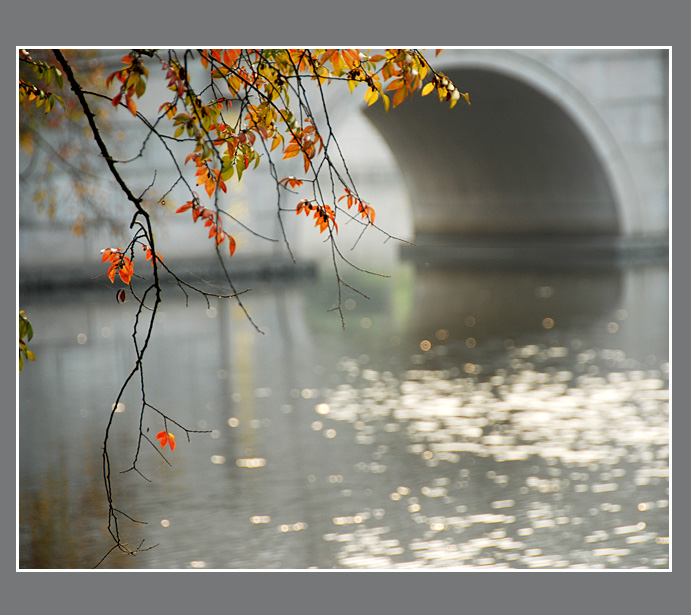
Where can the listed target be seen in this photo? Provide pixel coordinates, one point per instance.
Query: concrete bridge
(560, 149)
(563, 154)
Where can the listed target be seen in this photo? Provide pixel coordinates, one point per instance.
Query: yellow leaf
(427, 89)
(337, 62)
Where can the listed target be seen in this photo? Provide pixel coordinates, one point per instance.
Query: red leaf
(231, 243)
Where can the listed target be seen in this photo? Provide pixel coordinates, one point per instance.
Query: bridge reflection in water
(513, 418)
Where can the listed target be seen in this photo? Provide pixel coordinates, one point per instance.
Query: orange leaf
(291, 181)
(231, 243)
(171, 441)
(399, 96)
(395, 84)
(210, 186)
(126, 270)
(163, 437)
(131, 106)
(292, 150)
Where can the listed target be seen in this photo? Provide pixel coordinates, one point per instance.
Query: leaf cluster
(44, 73)
(256, 102)
(26, 333)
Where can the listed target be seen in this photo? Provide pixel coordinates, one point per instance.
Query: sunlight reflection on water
(550, 418)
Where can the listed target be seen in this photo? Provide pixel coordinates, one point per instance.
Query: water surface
(464, 418)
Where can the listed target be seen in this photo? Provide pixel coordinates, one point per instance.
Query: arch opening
(513, 164)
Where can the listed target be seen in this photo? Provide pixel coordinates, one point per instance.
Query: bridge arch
(530, 157)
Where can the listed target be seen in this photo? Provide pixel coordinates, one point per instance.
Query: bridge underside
(512, 165)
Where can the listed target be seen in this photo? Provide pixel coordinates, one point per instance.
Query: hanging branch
(257, 85)
(155, 286)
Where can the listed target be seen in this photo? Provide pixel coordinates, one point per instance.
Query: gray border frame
(434, 23)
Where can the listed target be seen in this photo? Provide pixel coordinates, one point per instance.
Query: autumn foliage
(165, 437)
(119, 264)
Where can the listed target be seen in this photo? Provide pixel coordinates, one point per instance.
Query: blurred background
(500, 399)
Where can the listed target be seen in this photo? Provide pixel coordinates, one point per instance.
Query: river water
(465, 418)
